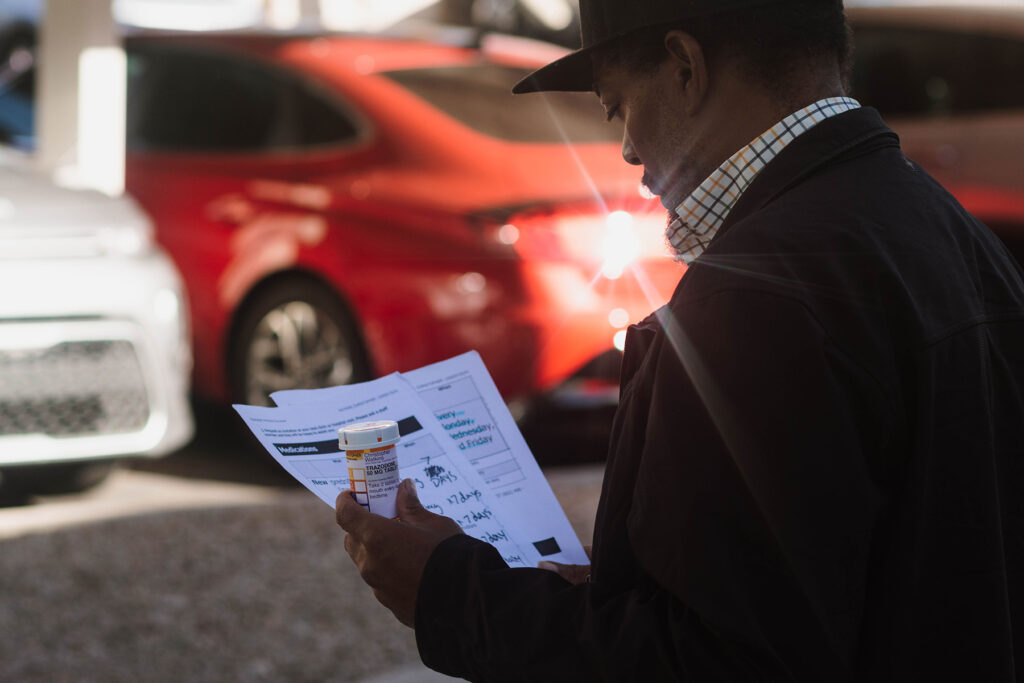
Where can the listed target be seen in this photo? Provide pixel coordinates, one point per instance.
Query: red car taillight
(586, 273)
(602, 243)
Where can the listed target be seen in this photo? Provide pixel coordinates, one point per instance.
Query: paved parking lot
(206, 566)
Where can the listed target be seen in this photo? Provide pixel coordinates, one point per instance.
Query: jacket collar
(852, 132)
(824, 144)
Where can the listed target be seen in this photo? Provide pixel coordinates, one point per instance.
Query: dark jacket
(817, 466)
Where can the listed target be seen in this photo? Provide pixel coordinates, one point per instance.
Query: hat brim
(572, 73)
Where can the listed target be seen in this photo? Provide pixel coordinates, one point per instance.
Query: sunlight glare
(572, 151)
(621, 246)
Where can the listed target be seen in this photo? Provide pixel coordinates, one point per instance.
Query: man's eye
(612, 112)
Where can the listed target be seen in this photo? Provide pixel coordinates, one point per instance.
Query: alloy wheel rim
(296, 346)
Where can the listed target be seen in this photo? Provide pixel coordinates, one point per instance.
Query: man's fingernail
(550, 566)
(409, 486)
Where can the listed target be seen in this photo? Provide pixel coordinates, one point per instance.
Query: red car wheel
(295, 334)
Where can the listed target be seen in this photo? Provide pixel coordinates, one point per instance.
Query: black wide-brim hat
(602, 21)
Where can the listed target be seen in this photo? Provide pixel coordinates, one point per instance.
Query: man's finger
(407, 503)
(573, 573)
(349, 514)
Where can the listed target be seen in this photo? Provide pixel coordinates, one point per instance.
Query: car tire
(293, 334)
(54, 479)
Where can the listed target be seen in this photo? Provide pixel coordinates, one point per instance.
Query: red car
(346, 207)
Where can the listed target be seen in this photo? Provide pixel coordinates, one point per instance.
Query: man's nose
(628, 153)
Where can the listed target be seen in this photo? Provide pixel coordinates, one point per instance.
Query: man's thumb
(411, 511)
(573, 573)
(407, 503)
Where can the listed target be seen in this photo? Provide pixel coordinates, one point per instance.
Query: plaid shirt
(703, 212)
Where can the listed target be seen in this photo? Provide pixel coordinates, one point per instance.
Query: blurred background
(205, 201)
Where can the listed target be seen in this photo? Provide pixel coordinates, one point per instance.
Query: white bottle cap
(366, 435)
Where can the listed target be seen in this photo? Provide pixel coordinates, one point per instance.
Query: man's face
(658, 132)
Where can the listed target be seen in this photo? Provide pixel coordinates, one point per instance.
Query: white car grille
(72, 389)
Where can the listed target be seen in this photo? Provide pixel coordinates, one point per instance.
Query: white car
(94, 352)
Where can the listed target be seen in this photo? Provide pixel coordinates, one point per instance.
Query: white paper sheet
(480, 434)
(303, 438)
(466, 401)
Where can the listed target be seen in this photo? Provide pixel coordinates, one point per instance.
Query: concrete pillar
(81, 95)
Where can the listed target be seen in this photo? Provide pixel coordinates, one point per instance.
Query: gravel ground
(252, 593)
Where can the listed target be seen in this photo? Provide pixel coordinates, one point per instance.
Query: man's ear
(687, 59)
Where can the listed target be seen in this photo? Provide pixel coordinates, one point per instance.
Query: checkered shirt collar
(702, 213)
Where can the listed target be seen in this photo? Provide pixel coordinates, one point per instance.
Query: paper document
(465, 399)
(497, 495)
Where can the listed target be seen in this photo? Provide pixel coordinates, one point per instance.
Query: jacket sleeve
(478, 619)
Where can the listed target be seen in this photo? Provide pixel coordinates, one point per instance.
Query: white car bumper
(94, 359)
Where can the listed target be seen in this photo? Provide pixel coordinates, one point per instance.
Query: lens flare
(621, 246)
(508, 234)
(618, 317)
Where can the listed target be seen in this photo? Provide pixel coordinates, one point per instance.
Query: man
(817, 465)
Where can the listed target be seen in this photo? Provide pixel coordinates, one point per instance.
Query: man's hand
(573, 573)
(391, 554)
